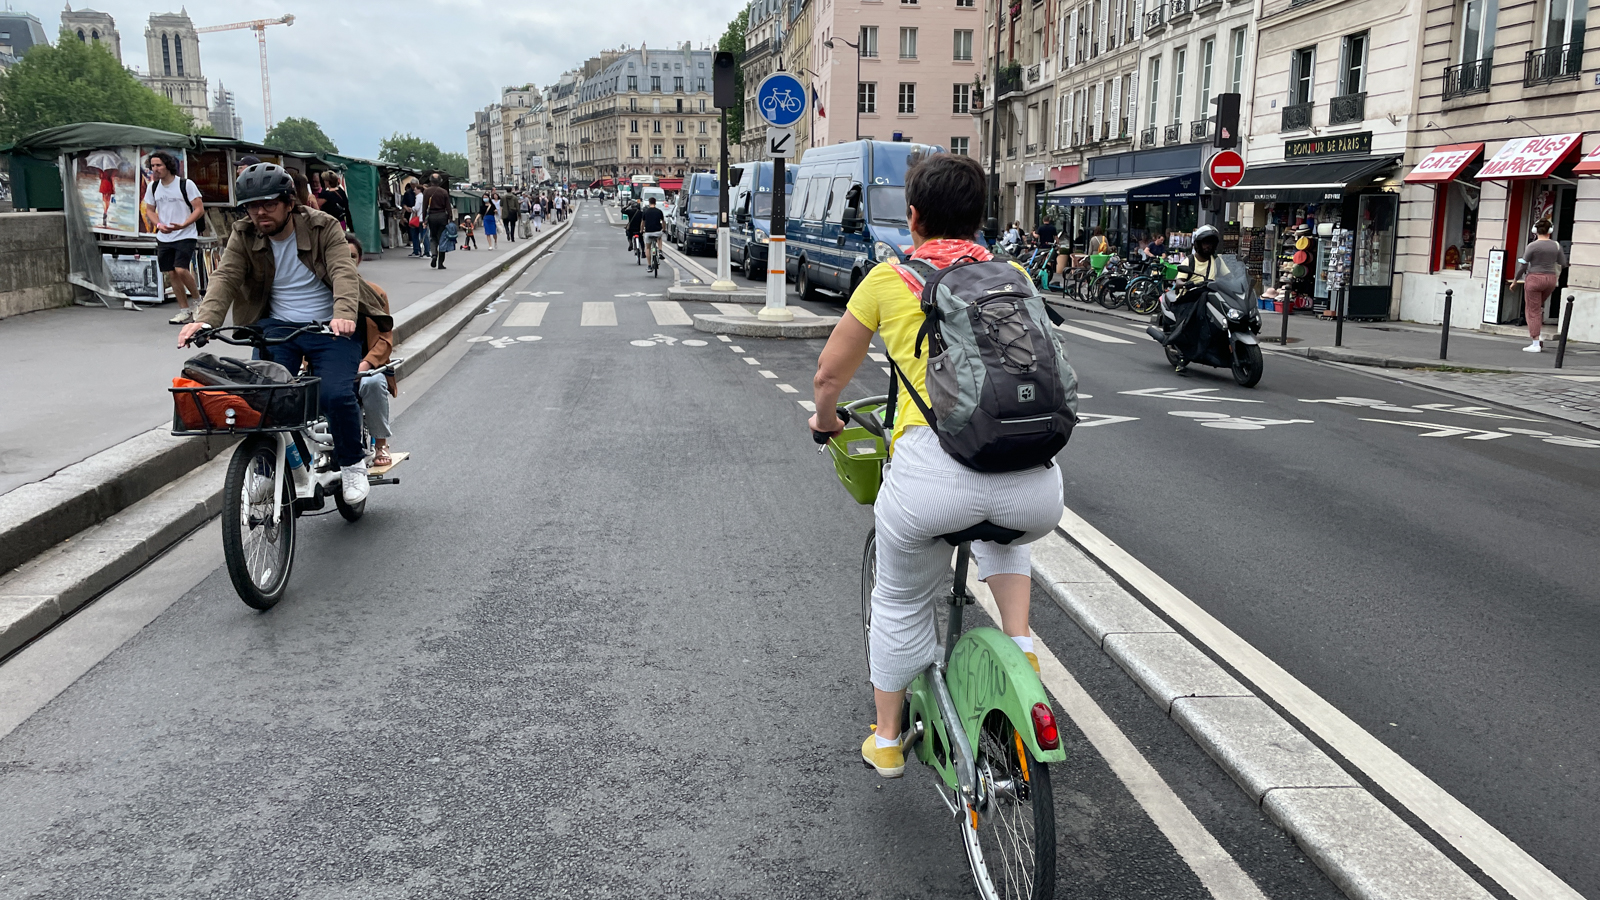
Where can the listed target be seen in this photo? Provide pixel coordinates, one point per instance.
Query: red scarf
(942, 254)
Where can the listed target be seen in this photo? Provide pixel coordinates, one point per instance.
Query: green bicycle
(979, 718)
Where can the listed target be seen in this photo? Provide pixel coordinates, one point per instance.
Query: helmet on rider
(263, 181)
(1206, 240)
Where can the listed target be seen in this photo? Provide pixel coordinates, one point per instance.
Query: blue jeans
(334, 360)
(419, 237)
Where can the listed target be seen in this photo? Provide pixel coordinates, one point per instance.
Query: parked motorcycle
(1214, 323)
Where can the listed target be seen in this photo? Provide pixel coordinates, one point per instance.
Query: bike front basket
(858, 457)
(244, 408)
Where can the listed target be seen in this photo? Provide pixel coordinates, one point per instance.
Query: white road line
(752, 360)
(878, 357)
(737, 349)
(768, 373)
(1113, 326)
(724, 338)
(1092, 335)
(1495, 854)
(526, 315)
(788, 389)
(669, 312)
(886, 370)
(602, 312)
(731, 309)
(1217, 871)
(807, 405)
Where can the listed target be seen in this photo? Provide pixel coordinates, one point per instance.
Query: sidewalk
(82, 379)
(1487, 367)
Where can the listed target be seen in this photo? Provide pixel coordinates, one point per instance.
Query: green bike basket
(858, 457)
(1098, 261)
(1169, 272)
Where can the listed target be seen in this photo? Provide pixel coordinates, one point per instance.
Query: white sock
(885, 742)
(1024, 643)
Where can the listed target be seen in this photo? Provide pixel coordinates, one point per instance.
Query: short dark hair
(168, 160)
(949, 194)
(355, 242)
(1543, 227)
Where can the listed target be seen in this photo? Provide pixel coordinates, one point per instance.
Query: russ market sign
(1340, 145)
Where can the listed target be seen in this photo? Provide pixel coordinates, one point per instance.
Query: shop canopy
(1529, 158)
(1444, 164)
(1307, 182)
(1589, 165)
(1120, 191)
(67, 139)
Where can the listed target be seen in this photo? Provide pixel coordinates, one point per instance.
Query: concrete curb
(750, 326)
(117, 510)
(701, 292)
(1363, 847)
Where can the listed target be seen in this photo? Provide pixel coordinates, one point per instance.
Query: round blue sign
(781, 99)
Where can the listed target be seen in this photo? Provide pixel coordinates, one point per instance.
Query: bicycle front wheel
(1144, 295)
(258, 552)
(869, 580)
(1011, 842)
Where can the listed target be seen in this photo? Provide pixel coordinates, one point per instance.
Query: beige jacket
(243, 283)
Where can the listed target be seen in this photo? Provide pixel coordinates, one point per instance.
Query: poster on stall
(211, 173)
(108, 182)
(136, 276)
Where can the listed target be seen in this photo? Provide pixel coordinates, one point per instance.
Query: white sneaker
(184, 317)
(1535, 347)
(353, 482)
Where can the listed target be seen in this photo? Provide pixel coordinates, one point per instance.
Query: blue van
(750, 203)
(849, 212)
(697, 213)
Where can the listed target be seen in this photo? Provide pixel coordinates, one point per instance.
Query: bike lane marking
(601, 313)
(526, 315)
(1092, 335)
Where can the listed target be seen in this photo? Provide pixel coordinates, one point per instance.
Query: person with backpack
(987, 454)
(172, 207)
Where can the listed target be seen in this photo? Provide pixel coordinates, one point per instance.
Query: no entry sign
(1225, 170)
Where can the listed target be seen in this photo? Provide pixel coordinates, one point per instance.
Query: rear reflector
(1044, 727)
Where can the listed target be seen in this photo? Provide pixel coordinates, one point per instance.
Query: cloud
(364, 69)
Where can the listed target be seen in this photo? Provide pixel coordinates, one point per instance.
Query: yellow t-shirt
(884, 304)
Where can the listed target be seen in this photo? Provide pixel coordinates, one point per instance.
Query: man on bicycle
(926, 492)
(285, 267)
(630, 212)
(652, 223)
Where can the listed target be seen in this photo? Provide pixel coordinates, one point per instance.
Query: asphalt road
(602, 641)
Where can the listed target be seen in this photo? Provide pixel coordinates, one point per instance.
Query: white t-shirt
(170, 207)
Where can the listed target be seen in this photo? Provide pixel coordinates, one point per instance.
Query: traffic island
(705, 293)
(750, 326)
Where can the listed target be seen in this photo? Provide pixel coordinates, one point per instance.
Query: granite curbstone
(1169, 668)
(1257, 747)
(1103, 610)
(750, 326)
(24, 617)
(1057, 560)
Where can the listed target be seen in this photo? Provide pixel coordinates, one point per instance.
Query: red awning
(1530, 157)
(1444, 164)
(1589, 165)
(669, 184)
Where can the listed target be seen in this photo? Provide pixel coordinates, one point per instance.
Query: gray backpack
(1001, 394)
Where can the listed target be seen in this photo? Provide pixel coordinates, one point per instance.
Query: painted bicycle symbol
(784, 100)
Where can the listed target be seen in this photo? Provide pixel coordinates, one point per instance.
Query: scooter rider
(1203, 267)
(286, 266)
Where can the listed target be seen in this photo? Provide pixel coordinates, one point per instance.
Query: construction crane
(259, 26)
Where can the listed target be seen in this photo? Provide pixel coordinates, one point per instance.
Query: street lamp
(829, 44)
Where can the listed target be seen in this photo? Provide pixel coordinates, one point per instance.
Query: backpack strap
(911, 389)
(919, 271)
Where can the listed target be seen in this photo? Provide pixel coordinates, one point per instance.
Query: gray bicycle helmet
(262, 181)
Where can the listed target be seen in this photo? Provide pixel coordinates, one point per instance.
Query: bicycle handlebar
(822, 437)
(257, 337)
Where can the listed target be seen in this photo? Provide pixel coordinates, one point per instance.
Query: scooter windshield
(1232, 281)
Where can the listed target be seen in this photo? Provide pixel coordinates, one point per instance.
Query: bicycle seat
(983, 531)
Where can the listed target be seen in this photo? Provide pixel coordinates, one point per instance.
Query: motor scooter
(1214, 323)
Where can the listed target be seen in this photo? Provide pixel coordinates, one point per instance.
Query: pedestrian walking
(335, 202)
(538, 215)
(436, 203)
(525, 216)
(420, 215)
(171, 206)
(445, 242)
(510, 212)
(488, 211)
(1539, 270)
(412, 221)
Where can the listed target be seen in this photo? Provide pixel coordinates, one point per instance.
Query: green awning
(52, 142)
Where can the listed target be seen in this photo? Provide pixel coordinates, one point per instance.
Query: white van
(651, 190)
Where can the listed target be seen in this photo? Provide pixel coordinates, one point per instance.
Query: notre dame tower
(174, 63)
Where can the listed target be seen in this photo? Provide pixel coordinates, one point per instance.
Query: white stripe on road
(669, 312)
(1092, 335)
(526, 315)
(752, 360)
(731, 309)
(1217, 871)
(788, 389)
(602, 312)
(767, 373)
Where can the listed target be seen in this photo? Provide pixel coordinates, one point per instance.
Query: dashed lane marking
(737, 349)
(751, 360)
(526, 315)
(788, 389)
(807, 405)
(669, 312)
(724, 338)
(1090, 420)
(878, 357)
(1092, 335)
(599, 313)
(767, 373)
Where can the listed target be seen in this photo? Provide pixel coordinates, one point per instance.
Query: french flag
(817, 102)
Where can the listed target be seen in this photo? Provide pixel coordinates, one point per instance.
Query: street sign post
(723, 81)
(781, 100)
(1225, 170)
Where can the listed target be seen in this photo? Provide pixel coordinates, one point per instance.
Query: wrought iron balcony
(1155, 18)
(1296, 117)
(1031, 149)
(1010, 80)
(1346, 109)
(1553, 64)
(1172, 134)
(1177, 8)
(1011, 152)
(1147, 138)
(1199, 131)
(1467, 78)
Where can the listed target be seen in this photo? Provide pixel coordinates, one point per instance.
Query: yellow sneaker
(1033, 660)
(889, 761)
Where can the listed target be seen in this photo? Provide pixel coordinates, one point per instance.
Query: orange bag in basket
(216, 405)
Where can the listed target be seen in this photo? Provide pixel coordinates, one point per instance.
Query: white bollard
(724, 280)
(776, 309)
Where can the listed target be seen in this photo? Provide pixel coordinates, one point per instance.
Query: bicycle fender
(988, 673)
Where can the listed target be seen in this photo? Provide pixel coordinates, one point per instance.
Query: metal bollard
(1338, 316)
(1566, 322)
(1286, 297)
(1444, 330)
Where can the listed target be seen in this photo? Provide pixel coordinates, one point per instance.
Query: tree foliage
(301, 136)
(733, 42)
(455, 164)
(410, 150)
(73, 82)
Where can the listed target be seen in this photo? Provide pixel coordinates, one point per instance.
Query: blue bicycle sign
(781, 99)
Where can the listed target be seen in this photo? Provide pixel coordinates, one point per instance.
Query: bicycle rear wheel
(1144, 295)
(869, 580)
(1011, 842)
(259, 554)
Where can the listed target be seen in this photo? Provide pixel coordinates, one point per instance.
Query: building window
(680, 126)
(963, 99)
(958, 146)
(633, 82)
(655, 126)
(1477, 31)
(867, 97)
(908, 2)
(677, 84)
(1208, 52)
(908, 43)
(680, 105)
(655, 150)
(1180, 59)
(633, 104)
(1155, 89)
(869, 41)
(177, 47)
(908, 98)
(655, 105)
(633, 126)
(1353, 64)
(1236, 76)
(702, 151)
(683, 151)
(963, 49)
(1564, 23)
(700, 86)
(965, 4)
(633, 150)
(702, 126)
(655, 83)
(166, 57)
(1301, 70)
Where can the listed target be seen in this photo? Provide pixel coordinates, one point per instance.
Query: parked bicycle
(978, 718)
(284, 468)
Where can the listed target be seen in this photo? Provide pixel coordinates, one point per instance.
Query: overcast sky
(364, 69)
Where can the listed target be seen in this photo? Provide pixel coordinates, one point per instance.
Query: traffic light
(722, 81)
(1226, 136)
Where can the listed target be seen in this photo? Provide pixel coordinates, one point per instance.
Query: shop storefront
(1537, 176)
(1325, 221)
(1132, 197)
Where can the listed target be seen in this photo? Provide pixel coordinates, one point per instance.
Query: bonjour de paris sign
(1337, 145)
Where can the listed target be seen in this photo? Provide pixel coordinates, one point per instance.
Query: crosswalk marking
(669, 312)
(1092, 335)
(526, 315)
(602, 312)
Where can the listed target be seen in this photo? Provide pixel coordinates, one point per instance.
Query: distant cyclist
(630, 212)
(652, 224)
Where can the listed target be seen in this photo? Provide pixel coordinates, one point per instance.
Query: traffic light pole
(724, 280)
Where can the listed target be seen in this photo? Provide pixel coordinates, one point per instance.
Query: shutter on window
(1133, 100)
(1105, 14)
(1099, 109)
(1072, 40)
(1116, 106)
